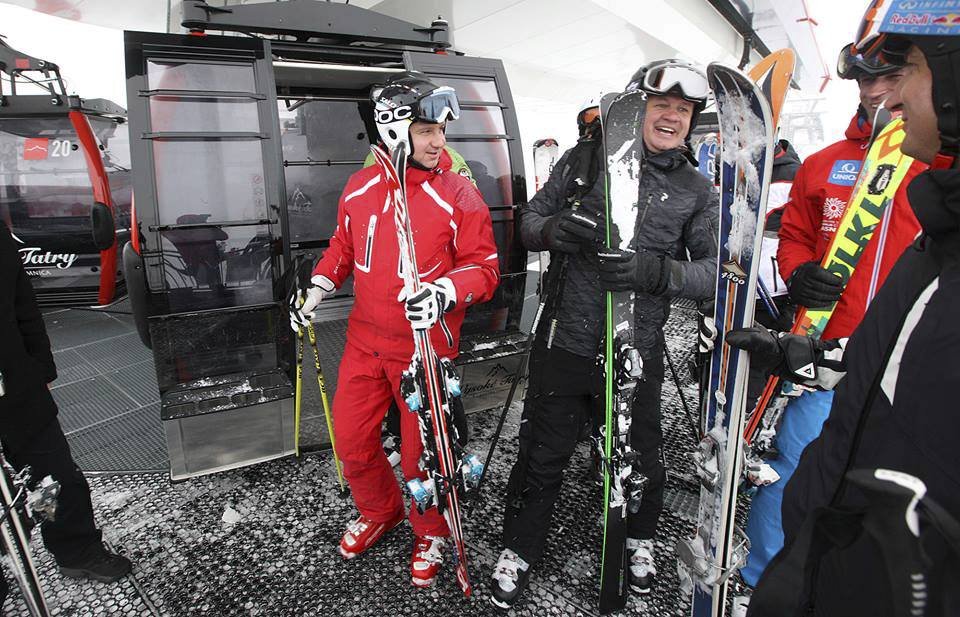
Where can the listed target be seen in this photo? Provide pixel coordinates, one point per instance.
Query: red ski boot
(363, 533)
(427, 557)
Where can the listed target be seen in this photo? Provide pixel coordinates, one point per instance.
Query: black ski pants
(74, 533)
(564, 391)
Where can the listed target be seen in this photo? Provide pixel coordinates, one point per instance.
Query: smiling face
(874, 90)
(914, 98)
(667, 122)
(428, 140)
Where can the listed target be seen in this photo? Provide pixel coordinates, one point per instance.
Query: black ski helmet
(410, 97)
(674, 77)
(853, 65)
(890, 27)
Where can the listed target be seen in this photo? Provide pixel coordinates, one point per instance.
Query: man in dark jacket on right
(893, 428)
(677, 217)
(31, 433)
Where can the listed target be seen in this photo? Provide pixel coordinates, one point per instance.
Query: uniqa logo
(36, 257)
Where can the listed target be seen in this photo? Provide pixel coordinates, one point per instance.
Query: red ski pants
(365, 387)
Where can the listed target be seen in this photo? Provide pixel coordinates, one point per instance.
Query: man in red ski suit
(458, 264)
(818, 199)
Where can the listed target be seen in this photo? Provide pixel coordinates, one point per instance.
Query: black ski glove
(568, 229)
(791, 356)
(814, 287)
(629, 271)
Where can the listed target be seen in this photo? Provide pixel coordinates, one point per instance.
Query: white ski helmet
(588, 103)
(407, 98)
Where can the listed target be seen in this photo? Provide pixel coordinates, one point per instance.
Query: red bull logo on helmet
(924, 17)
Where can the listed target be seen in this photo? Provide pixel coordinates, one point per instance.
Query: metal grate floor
(279, 557)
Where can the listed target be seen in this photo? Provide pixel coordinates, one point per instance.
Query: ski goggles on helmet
(438, 106)
(675, 77)
(851, 65)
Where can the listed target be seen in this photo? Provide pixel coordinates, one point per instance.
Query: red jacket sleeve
(336, 263)
(799, 226)
(476, 270)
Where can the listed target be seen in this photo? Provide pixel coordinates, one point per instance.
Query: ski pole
(764, 294)
(521, 369)
(683, 399)
(326, 405)
(299, 393)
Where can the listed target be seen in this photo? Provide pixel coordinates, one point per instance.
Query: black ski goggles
(674, 77)
(851, 65)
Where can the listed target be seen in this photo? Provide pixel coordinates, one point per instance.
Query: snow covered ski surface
(717, 549)
(428, 386)
(623, 146)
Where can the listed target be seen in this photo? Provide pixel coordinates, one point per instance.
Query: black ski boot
(510, 577)
(98, 564)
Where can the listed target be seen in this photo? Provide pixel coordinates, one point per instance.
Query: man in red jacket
(458, 263)
(818, 199)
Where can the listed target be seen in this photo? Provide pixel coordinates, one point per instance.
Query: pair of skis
(428, 387)
(718, 548)
(21, 506)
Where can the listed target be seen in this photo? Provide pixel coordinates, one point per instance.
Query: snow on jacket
(453, 236)
(818, 199)
(678, 216)
(786, 163)
(896, 407)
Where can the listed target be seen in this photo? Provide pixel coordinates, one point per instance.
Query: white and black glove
(800, 359)
(424, 308)
(304, 302)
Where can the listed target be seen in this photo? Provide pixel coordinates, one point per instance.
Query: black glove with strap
(814, 287)
(629, 271)
(792, 356)
(568, 229)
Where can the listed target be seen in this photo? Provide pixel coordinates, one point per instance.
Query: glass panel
(489, 160)
(470, 89)
(114, 138)
(478, 121)
(502, 312)
(45, 191)
(200, 181)
(170, 113)
(214, 267)
(215, 344)
(313, 193)
(323, 130)
(173, 75)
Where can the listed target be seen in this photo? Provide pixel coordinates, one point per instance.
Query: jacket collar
(668, 160)
(860, 127)
(417, 175)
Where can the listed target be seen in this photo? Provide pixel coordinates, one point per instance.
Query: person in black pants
(31, 434)
(673, 254)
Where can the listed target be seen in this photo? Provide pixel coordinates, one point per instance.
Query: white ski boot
(642, 569)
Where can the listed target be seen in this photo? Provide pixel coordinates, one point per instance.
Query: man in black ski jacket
(677, 217)
(863, 547)
(31, 434)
